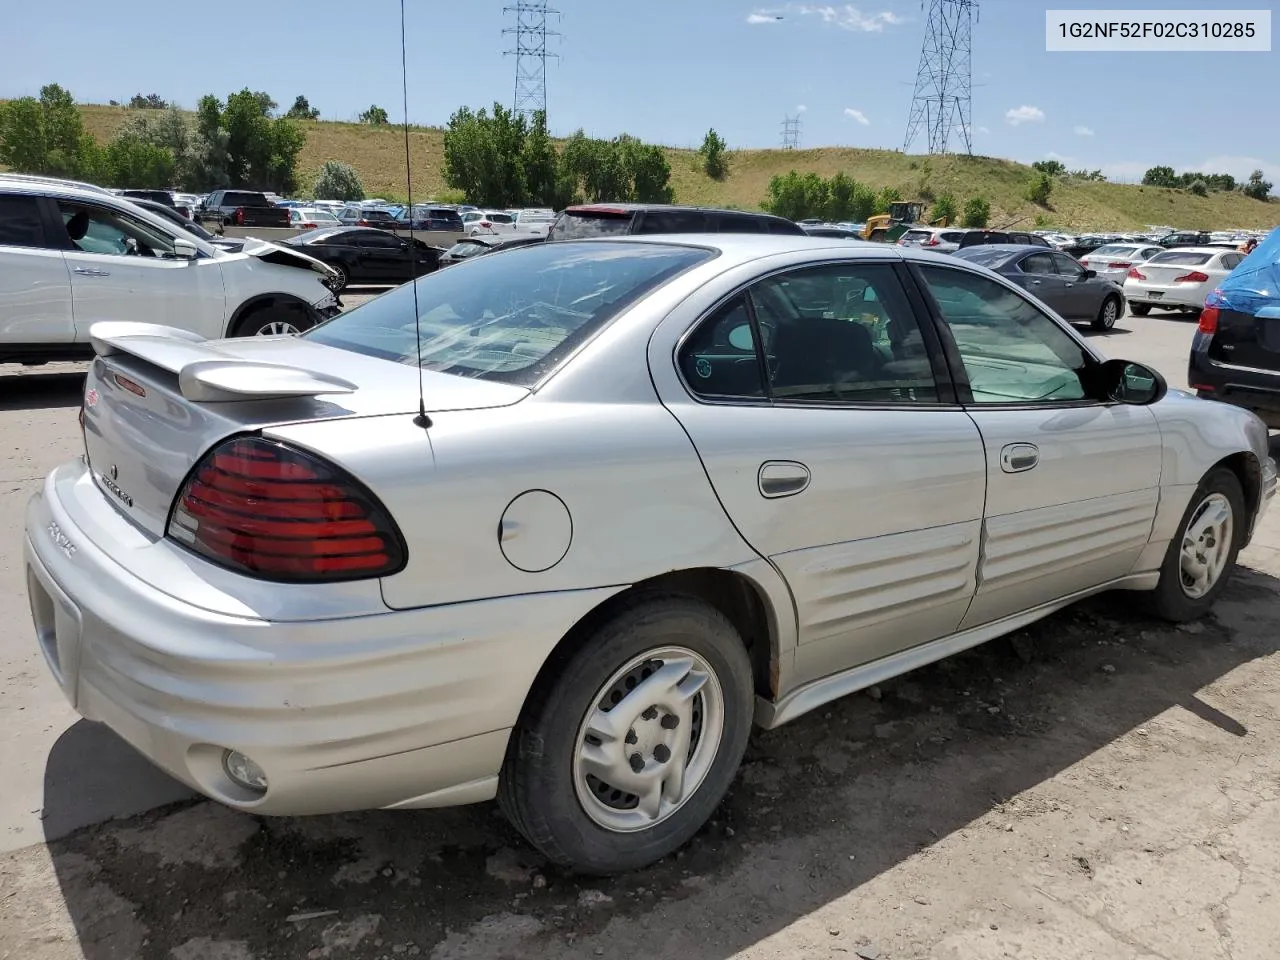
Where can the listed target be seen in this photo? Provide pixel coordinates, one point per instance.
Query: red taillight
(309, 226)
(268, 510)
(239, 216)
(363, 223)
(1209, 320)
(1195, 276)
(931, 242)
(1114, 266)
(485, 223)
(1136, 274)
(1085, 264)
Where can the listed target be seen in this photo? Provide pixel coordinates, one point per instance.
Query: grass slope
(378, 155)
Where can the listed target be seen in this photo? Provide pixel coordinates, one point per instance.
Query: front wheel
(274, 321)
(624, 752)
(1202, 555)
(1108, 314)
(340, 278)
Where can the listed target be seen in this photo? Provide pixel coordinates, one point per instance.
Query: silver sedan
(560, 523)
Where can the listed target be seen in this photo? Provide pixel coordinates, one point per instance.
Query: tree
(841, 190)
(207, 157)
(945, 206)
(1040, 188)
(167, 130)
(798, 196)
(714, 163)
(130, 161)
(261, 152)
(482, 155)
(376, 116)
(152, 101)
(1199, 187)
(302, 110)
(1054, 168)
(338, 181)
(45, 135)
(1160, 177)
(1257, 187)
(976, 212)
(541, 166)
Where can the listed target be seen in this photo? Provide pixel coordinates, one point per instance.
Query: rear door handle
(1018, 457)
(783, 478)
(92, 272)
(1034, 283)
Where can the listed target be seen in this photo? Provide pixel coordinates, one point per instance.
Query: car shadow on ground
(31, 391)
(820, 808)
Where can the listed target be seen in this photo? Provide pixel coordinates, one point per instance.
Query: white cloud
(801, 108)
(858, 115)
(846, 16)
(1082, 131)
(983, 130)
(1024, 114)
(1239, 167)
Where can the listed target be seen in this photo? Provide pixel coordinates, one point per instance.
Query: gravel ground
(1098, 785)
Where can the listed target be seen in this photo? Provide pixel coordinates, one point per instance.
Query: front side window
(1037, 263)
(512, 318)
(1012, 353)
(842, 333)
(99, 230)
(1068, 267)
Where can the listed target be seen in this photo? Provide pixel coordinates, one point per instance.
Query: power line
(530, 51)
(943, 98)
(791, 133)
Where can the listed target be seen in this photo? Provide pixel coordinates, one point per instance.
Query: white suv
(72, 254)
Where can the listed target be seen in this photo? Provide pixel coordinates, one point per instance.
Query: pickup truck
(241, 208)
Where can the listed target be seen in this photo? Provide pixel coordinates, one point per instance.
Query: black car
(979, 238)
(432, 219)
(1089, 243)
(1186, 238)
(835, 233)
(478, 246)
(1075, 293)
(619, 219)
(367, 255)
(355, 216)
(1235, 356)
(178, 220)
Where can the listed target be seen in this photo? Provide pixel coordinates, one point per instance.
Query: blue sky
(666, 70)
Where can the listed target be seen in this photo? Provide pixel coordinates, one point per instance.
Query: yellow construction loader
(888, 227)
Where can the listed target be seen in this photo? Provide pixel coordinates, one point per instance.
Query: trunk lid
(1164, 272)
(157, 399)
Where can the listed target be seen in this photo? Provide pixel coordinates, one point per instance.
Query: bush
(1199, 188)
(338, 181)
(945, 206)
(1257, 187)
(976, 212)
(1040, 188)
(714, 163)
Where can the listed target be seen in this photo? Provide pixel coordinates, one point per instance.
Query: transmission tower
(531, 54)
(943, 99)
(791, 133)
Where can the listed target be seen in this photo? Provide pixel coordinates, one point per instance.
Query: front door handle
(783, 478)
(1018, 457)
(92, 272)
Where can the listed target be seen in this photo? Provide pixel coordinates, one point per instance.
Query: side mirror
(185, 250)
(1123, 381)
(1090, 274)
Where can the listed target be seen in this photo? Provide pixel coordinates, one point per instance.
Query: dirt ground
(1100, 785)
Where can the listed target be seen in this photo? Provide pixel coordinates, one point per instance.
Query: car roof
(26, 181)
(1010, 247)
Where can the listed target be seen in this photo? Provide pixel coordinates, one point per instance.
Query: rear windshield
(466, 248)
(231, 199)
(1114, 251)
(584, 224)
(917, 235)
(512, 318)
(986, 256)
(1180, 258)
(502, 218)
(435, 214)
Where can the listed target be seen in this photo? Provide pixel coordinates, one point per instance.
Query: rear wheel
(1139, 309)
(622, 755)
(1108, 314)
(274, 321)
(1202, 555)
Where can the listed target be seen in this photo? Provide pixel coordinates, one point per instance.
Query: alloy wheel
(1206, 545)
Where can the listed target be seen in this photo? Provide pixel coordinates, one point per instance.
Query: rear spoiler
(207, 374)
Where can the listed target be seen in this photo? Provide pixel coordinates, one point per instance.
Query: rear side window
(672, 221)
(238, 199)
(1180, 258)
(582, 225)
(736, 223)
(20, 224)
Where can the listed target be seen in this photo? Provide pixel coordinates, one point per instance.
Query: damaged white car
(72, 254)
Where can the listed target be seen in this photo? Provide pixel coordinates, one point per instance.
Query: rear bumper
(397, 709)
(1255, 390)
(1154, 296)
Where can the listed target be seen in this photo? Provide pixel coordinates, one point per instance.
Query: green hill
(378, 155)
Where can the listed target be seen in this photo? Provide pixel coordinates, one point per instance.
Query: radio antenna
(421, 420)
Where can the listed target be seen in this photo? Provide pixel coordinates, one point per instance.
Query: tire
(1108, 314)
(273, 321)
(341, 280)
(1173, 599)
(585, 823)
(1139, 309)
